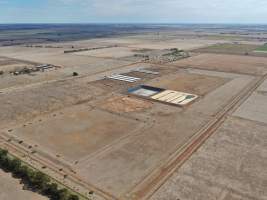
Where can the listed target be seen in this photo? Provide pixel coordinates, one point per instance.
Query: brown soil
(190, 83)
(226, 63)
(125, 104)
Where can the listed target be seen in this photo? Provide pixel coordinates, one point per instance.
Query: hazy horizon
(133, 11)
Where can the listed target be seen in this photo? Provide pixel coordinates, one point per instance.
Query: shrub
(75, 74)
(63, 194)
(3, 152)
(51, 190)
(15, 165)
(73, 197)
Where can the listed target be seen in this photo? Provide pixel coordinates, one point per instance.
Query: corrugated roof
(123, 78)
(174, 97)
(146, 71)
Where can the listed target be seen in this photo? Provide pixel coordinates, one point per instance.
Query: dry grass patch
(226, 63)
(124, 104)
(190, 83)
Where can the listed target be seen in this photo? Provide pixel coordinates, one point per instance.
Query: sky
(133, 11)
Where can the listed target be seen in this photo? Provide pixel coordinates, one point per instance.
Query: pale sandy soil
(114, 52)
(177, 43)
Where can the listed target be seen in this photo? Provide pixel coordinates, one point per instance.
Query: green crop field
(262, 48)
(239, 49)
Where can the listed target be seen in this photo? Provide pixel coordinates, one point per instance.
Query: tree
(73, 197)
(52, 190)
(3, 152)
(3, 157)
(30, 176)
(4, 162)
(15, 165)
(23, 172)
(40, 181)
(63, 194)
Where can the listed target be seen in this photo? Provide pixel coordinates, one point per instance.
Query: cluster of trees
(35, 180)
(176, 51)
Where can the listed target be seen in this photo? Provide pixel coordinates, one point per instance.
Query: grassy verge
(262, 48)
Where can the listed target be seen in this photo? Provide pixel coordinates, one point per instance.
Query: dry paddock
(114, 52)
(189, 83)
(226, 63)
(57, 57)
(77, 132)
(113, 148)
(231, 165)
(118, 143)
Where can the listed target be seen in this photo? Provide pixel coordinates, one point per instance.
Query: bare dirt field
(76, 132)
(124, 104)
(6, 61)
(114, 52)
(189, 83)
(226, 63)
(230, 165)
(9, 64)
(255, 108)
(23, 104)
(12, 189)
(58, 58)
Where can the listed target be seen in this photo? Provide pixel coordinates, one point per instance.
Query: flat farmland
(226, 63)
(67, 64)
(239, 49)
(177, 43)
(230, 165)
(114, 52)
(113, 142)
(24, 104)
(92, 135)
(189, 83)
(262, 48)
(9, 64)
(255, 107)
(58, 58)
(124, 104)
(76, 132)
(91, 67)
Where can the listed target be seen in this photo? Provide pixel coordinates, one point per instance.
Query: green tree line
(34, 179)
